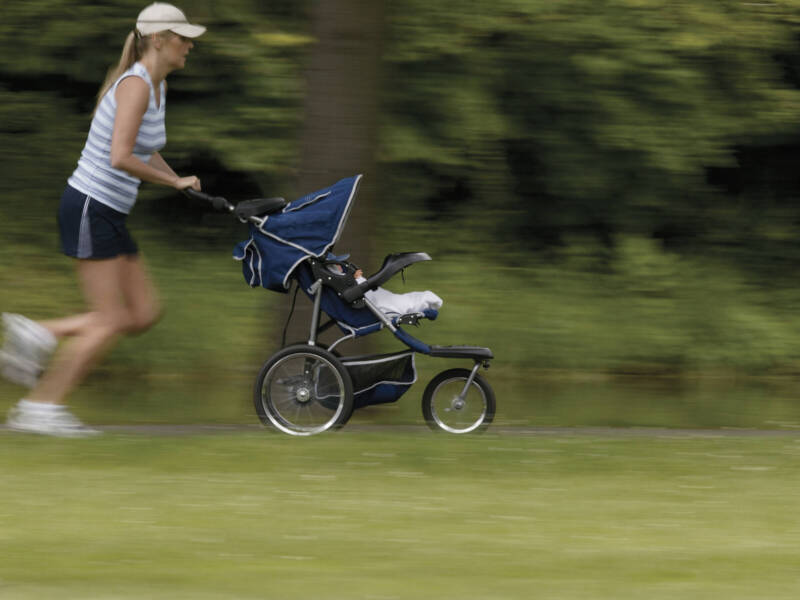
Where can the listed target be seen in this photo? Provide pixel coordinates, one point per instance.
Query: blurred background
(608, 190)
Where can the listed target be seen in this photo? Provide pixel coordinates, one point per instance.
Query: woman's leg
(103, 283)
(140, 295)
(66, 326)
(122, 299)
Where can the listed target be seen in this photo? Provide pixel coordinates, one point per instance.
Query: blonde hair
(135, 46)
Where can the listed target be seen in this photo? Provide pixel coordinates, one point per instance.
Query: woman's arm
(159, 163)
(132, 96)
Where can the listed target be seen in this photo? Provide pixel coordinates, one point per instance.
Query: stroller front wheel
(447, 406)
(303, 390)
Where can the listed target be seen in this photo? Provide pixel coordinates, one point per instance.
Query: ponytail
(135, 45)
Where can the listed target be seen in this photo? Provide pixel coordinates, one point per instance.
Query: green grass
(357, 515)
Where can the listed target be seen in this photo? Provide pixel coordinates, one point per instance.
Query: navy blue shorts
(90, 229)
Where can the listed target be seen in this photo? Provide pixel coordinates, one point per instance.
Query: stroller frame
(308, 388)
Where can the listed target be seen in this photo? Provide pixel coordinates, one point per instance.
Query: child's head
(335, 268)
(339, 269)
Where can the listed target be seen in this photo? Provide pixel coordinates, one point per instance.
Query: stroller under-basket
(308, 388)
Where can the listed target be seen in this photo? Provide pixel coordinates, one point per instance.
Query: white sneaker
(18, 370)
(26, 349)
(46, 419)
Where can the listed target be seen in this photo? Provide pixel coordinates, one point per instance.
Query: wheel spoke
(304, 391)
(447, 407)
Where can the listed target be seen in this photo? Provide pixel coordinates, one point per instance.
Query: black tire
(303, 390)
(445, 411)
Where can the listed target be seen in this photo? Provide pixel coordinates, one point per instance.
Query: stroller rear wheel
(447, 406)
(303, 390)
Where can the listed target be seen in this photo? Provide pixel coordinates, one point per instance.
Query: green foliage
(576, 114)
(565, 163)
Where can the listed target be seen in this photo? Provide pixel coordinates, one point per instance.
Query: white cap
(160, 16)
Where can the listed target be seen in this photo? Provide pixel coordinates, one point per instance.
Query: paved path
(619, 432)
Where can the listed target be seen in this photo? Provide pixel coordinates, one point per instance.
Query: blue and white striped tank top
(95, 176)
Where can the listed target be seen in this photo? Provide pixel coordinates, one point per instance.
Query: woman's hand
(182, 183)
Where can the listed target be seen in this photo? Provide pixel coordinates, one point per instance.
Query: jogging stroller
(308, 388)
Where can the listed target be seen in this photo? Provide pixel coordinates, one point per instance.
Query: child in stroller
(308, 388)
(390, 303)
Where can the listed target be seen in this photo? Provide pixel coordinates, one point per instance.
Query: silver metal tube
(470, 379)
(378, 313)
(316, 289)
(340, 340)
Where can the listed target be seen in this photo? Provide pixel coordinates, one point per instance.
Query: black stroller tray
(259, 207)
(473, 352)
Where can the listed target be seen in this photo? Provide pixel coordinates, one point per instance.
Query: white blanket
(409, 303)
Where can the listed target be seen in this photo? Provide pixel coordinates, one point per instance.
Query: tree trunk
(340, 129)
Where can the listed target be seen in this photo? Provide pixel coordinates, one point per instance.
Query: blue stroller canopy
(307, 227)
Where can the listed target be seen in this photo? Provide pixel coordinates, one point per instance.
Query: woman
(122, 149)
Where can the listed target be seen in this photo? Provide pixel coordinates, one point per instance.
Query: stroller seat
(351, 317)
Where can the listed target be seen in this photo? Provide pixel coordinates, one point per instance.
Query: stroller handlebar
(218, 202)
(248, 210)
